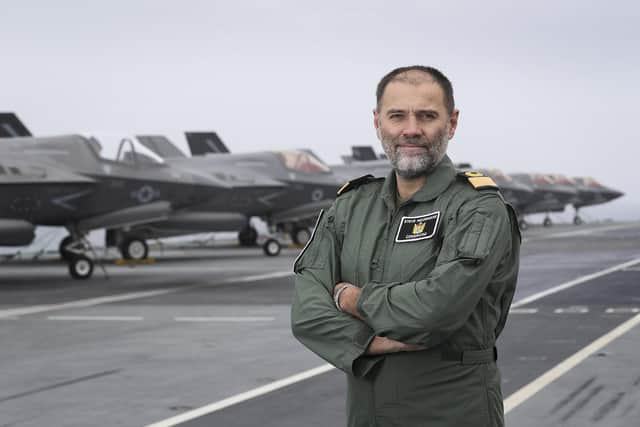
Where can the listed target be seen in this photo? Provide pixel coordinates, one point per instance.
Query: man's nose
(411, 128)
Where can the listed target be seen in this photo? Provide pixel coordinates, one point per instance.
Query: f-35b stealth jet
(63, 181)
(306, 183)
(528, 193)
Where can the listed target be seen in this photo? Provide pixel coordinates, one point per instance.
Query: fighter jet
(528, 193)
(122, 193)
(364, 161)
(307, 184)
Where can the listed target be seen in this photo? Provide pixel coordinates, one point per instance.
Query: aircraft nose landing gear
(73, 250)
(80, 267)
(271, 247)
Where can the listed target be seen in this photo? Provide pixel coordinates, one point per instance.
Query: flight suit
(438, 270)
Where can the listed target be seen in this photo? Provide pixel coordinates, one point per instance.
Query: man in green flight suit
(406, 282)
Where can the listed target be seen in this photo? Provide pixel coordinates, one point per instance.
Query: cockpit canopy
(302, 161)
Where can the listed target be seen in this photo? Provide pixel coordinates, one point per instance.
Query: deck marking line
(523, 311)
(524, 393)
(241, 397)
(224, 319)
(571, 310)
(100, 318)
(622, 310)
(574, 282)
(90, 302)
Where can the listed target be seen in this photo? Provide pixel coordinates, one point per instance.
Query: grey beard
(413, 166)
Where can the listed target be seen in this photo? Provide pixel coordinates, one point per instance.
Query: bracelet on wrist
(336, 297)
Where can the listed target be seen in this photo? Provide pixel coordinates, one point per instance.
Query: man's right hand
(382, 345)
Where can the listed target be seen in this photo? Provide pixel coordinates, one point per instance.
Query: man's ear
(376, 123)
(453, 122)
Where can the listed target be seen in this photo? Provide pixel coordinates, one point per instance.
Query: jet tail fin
(160, 145)
(201, 143)
(363, 153)
(11, 126)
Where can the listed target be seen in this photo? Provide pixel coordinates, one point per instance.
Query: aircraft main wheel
(65, 254)
(523, 224)
(300, 235)
(577, 220)
(271, 247)
(547, 222)
(248, 236)
(80, 267)
(134, 248)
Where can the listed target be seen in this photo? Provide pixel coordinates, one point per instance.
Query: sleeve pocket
(309, 256)
(478, 239)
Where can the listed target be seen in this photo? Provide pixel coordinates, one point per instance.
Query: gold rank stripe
(344, 187)
(482, 181)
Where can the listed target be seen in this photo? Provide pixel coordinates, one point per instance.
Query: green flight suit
(439, 270)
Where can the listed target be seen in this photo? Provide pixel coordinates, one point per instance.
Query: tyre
(547, 222)
(577, 220)
(523, 224)
(80, 267)
(271, 247)
(300, 235)
(134, 248)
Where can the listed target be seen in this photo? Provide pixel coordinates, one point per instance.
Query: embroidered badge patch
(413, 228)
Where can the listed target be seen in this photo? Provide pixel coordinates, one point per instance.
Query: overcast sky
(548, 86)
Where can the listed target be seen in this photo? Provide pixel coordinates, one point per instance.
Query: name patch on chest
(413, 228)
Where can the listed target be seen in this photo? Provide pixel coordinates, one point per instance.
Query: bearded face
(411, 157)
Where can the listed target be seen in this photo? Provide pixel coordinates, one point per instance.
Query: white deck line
(99, 318)
(223, 319)
(579, 357)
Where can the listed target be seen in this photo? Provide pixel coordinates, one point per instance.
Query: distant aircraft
(364, 160)
(307, 183)
(528, 193)
(94, 192)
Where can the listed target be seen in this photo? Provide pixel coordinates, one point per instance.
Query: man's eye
(426, 116)
(396, 116)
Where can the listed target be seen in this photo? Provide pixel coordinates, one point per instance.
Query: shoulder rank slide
(355, 183)
(478, 180)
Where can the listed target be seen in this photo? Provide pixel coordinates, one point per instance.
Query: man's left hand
(348, 298)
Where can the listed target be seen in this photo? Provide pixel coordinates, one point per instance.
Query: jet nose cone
(611, 194)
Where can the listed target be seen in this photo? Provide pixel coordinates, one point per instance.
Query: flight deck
(202, 337)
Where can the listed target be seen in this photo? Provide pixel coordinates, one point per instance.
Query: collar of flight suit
(437, 182)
